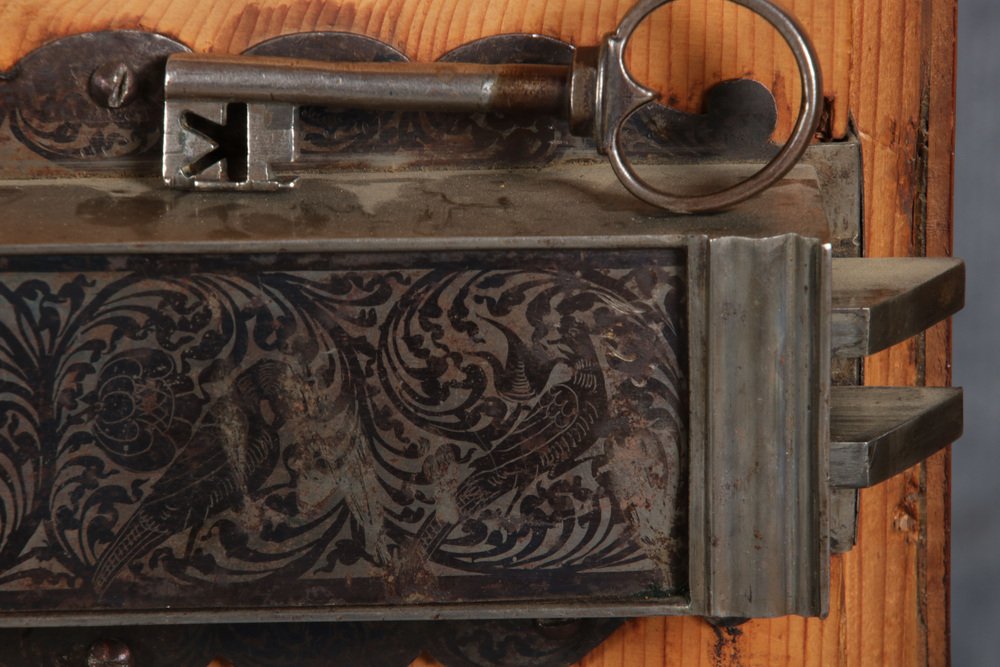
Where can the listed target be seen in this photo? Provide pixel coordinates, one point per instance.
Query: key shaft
(444, 87)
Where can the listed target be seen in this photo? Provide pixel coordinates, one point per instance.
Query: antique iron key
(231, 121)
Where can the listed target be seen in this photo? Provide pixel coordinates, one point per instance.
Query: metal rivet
(113, 85)
(109, 653)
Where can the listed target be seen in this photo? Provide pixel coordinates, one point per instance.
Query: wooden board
(890, 63)
(682, 50)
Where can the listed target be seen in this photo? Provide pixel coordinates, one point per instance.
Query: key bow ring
(619, 96)
(597, 94)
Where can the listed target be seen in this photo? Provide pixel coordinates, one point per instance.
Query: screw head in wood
(113, 85)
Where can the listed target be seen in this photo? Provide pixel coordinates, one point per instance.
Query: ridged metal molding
(767, 427)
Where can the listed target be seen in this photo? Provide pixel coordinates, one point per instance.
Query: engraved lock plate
(361, 401)
(334, 426)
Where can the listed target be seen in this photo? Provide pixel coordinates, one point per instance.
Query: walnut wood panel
(684, 49)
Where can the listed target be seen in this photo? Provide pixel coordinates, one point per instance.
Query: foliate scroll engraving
(351, 430)
(56, 124)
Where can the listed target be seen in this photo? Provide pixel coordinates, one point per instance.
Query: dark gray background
(976, 459)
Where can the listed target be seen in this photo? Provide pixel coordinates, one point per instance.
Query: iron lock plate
(499, 426)
(427, 422)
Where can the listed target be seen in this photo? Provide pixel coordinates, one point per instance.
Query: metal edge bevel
(699, 575)
(318, 614)
(824, 363)
(360, 245)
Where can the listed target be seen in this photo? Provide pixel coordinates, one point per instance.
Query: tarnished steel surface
(384, 644)
(611, 106)
(329, 47)
(230, 121)
(838, 167)
(878, 432)
(442, 86)
(881, 302)
(93, 139)
(570, 206)
(767, 450)
(56, 102)
(216, 89)
(531, 643)
(319, 432)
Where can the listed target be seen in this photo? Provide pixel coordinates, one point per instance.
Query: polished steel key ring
(619, 96)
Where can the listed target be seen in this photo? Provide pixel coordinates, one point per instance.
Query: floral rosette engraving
(141, 405)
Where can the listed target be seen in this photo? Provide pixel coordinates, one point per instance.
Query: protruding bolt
(109, 653)
(113, 85)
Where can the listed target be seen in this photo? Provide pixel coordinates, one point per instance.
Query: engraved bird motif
(228, 458)
(335, 461)
(355, 474)
(557, 427)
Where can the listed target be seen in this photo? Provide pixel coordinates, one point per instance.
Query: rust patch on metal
(543, 89)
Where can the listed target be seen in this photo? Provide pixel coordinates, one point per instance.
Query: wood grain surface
(888, 63)
(889, 596)
(682, 49)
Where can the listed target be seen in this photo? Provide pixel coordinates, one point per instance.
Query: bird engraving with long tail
(558, 422)
(231, 454)
(349, 430)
